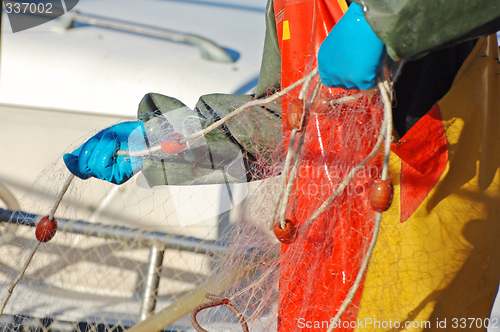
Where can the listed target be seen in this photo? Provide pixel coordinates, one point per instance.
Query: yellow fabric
(444, 261)
(286, 30)
(343, 5)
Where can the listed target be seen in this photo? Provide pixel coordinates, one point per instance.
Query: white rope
(384, 91)
(361, 273)
(216, 124)
(52, 212)
(291, 180)
(307, 82)
(18, 278)
(60, 196)
(353, 171)
(284, 176)
(349, 98)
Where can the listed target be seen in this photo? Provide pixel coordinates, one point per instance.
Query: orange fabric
(309, 25)
(424, 154)
(317, 270)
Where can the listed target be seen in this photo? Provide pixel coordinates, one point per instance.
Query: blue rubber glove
(351, 55)
(97, 158)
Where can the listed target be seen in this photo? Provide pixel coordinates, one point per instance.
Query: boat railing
(207, 48)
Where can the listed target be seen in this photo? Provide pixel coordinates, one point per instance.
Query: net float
(381, 193)
(46, 229)
(170, 143)
(294, 114)
(286, 235)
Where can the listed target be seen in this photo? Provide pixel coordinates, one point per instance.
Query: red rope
(217, 300)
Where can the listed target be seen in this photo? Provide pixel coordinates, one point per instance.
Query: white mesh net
(122, 253)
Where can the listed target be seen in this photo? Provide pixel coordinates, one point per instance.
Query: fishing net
(201, 251)
(260, 214)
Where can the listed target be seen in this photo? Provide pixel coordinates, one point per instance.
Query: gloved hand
(97, 158)
(351, 55)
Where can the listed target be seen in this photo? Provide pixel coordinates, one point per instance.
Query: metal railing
(157, 241)
(121, 233)
(208, 49)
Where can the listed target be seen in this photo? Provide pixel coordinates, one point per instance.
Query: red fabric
(424, 154)
(319, 268)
